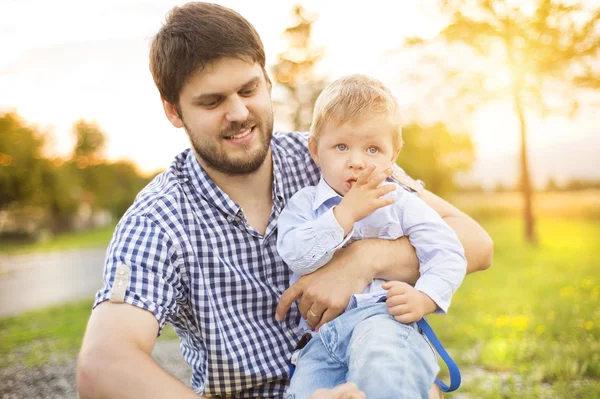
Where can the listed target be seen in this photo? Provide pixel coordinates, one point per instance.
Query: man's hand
(348, 390)
(406, 303)
(326, 292)
(364, 197)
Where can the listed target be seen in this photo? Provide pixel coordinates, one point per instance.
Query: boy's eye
(341, 147)
(373, 150)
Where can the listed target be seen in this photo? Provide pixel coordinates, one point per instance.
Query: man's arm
(397, 260)
(115, 360)
(478, 245)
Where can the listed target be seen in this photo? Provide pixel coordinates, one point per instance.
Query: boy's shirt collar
(325, 194)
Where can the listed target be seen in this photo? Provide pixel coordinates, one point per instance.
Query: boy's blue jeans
(367, 346)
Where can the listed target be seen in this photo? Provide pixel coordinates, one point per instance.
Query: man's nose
(237, 111)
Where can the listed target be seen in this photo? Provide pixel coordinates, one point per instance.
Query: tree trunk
(525, 180)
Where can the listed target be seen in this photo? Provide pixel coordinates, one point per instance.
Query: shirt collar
(324, 194)
(278, 193)
(207, 188)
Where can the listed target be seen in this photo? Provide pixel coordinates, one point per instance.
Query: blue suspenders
(451, 364)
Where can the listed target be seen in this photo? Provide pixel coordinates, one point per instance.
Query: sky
(65, 60)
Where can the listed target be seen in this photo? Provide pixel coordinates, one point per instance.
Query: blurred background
(500, 100)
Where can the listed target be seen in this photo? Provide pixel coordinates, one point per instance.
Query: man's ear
(172, 113)
(312, 147)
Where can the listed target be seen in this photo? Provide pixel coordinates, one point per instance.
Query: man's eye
(210, 104)
(249, 92)
(373, 150)
(341, 147)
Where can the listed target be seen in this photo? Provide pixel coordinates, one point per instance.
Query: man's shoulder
(291, 143)
(164, 195)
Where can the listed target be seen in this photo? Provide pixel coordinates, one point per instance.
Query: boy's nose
(356, 162)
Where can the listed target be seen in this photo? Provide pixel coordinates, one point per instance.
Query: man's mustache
(235, 127)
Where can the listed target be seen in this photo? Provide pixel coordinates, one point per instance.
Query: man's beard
(219, 160)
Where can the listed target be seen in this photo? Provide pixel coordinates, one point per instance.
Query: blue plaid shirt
(184, 252)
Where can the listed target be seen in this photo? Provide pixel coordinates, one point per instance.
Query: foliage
(435, 155)
(89, 143)
(294, 71)
(32, 183)
(534, 53)
(22, 164)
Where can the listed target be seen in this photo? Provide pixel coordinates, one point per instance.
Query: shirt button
(230, 219)
(290, 331)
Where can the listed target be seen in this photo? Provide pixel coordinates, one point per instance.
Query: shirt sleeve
(442, 261)
(306, 242)
(141, 269)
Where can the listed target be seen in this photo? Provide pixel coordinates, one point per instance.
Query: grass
(72, 240)
(532, 321)
(52, 334)
(527, 328)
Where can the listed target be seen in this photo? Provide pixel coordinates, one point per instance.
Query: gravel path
(57, 381)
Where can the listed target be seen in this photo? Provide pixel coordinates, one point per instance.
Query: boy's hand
(364, 197)
(406, 303)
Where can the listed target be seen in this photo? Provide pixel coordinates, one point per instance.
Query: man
(198, 246)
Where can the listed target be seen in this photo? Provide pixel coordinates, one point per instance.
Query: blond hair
(355, 99)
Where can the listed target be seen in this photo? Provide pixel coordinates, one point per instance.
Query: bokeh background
(500, 100)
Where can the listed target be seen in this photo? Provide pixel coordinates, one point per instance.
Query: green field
(529, 327)
(61, 242)
(53, 334)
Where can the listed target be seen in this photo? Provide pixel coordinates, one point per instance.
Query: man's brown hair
(194, 35)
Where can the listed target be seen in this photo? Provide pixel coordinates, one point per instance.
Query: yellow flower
(520, 322)
(589, 325)
(567, 291)
(587, 282)
(502, 321)
(539, 330)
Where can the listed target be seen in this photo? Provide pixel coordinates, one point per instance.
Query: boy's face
(226, 111)
(344, 151)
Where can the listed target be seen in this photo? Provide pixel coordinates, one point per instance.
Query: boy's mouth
(350, 182)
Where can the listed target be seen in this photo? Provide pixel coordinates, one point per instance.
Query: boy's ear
(312, 147)
(397, 154)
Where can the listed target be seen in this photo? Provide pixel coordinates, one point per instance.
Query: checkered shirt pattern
(194, 262)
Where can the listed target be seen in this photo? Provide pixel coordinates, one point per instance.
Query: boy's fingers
(399, 310)
(377, 178)
(385, 189)
(365, 175)
(406, 318)
(381, 202)
(395, 300)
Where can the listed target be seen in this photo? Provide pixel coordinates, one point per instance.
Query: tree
(435, 155)
(22, 164)
(90, 142)
(28, 179)
(544, 48)
(295, 71)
